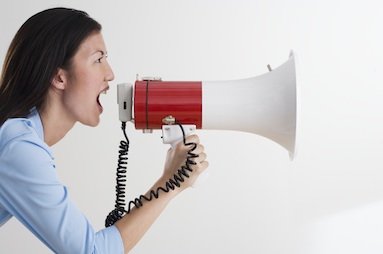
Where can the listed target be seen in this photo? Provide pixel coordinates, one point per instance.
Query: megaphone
(266, 105)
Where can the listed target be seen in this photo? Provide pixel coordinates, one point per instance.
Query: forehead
(91, 45)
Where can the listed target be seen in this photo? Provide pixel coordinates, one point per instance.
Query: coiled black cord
(174, 182)
(119, 209)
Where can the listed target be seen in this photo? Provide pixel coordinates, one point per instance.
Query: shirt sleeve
(30, 191)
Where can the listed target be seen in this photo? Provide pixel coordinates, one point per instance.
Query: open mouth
(98, 98)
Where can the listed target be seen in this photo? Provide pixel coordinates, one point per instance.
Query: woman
(53, 75)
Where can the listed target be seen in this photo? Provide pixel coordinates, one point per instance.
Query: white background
(328, 200)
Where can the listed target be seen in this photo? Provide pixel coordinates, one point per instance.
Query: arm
(135, 224)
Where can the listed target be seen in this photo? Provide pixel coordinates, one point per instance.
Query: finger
(200, 166)
(199, 149)
(201, 157)
(192, 139)
(204, 164)
(190, 142)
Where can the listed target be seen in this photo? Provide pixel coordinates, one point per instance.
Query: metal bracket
(151, 79)
(169, 120)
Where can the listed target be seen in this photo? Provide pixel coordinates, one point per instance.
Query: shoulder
(20, 129)
(21, 149)
(13, 129)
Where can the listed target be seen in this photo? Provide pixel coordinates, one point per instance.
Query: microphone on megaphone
(266, 105)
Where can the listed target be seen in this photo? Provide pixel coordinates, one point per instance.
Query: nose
(109, 73)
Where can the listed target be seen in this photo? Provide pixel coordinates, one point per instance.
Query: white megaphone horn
(266, 105)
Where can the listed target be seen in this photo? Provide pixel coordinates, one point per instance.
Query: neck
(54, 129)
(55, 122)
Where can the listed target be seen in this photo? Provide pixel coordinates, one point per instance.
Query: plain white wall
(329, 200)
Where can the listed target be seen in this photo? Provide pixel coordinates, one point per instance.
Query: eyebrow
(102, 52)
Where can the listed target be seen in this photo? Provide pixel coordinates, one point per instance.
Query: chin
(94, 125)
(91, 122)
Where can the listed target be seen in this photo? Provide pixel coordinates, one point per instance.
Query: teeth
(103, 92)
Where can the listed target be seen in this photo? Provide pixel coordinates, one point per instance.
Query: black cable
(171, 184)
(119, 210)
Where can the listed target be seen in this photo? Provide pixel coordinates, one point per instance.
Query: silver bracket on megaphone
(169, 120)
(269, 67)
(151, 79)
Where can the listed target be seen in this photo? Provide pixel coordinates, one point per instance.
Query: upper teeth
(104, 92)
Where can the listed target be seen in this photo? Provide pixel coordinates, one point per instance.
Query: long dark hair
(44, 43)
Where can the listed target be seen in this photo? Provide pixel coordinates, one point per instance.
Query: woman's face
(87, 79)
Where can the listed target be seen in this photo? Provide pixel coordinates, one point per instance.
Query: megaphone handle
(172, 134)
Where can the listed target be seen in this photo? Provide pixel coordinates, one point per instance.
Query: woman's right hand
(176, 158)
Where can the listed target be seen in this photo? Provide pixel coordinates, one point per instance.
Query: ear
(59, 81)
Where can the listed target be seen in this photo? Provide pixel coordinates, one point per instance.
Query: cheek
(84, 86)
(76, 95)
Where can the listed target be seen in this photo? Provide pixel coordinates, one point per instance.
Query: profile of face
(87, 79)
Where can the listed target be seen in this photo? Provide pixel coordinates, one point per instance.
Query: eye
(101, 58)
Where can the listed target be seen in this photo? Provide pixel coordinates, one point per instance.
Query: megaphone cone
(266, 105)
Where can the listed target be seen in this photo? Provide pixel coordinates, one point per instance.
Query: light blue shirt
(31, 191)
